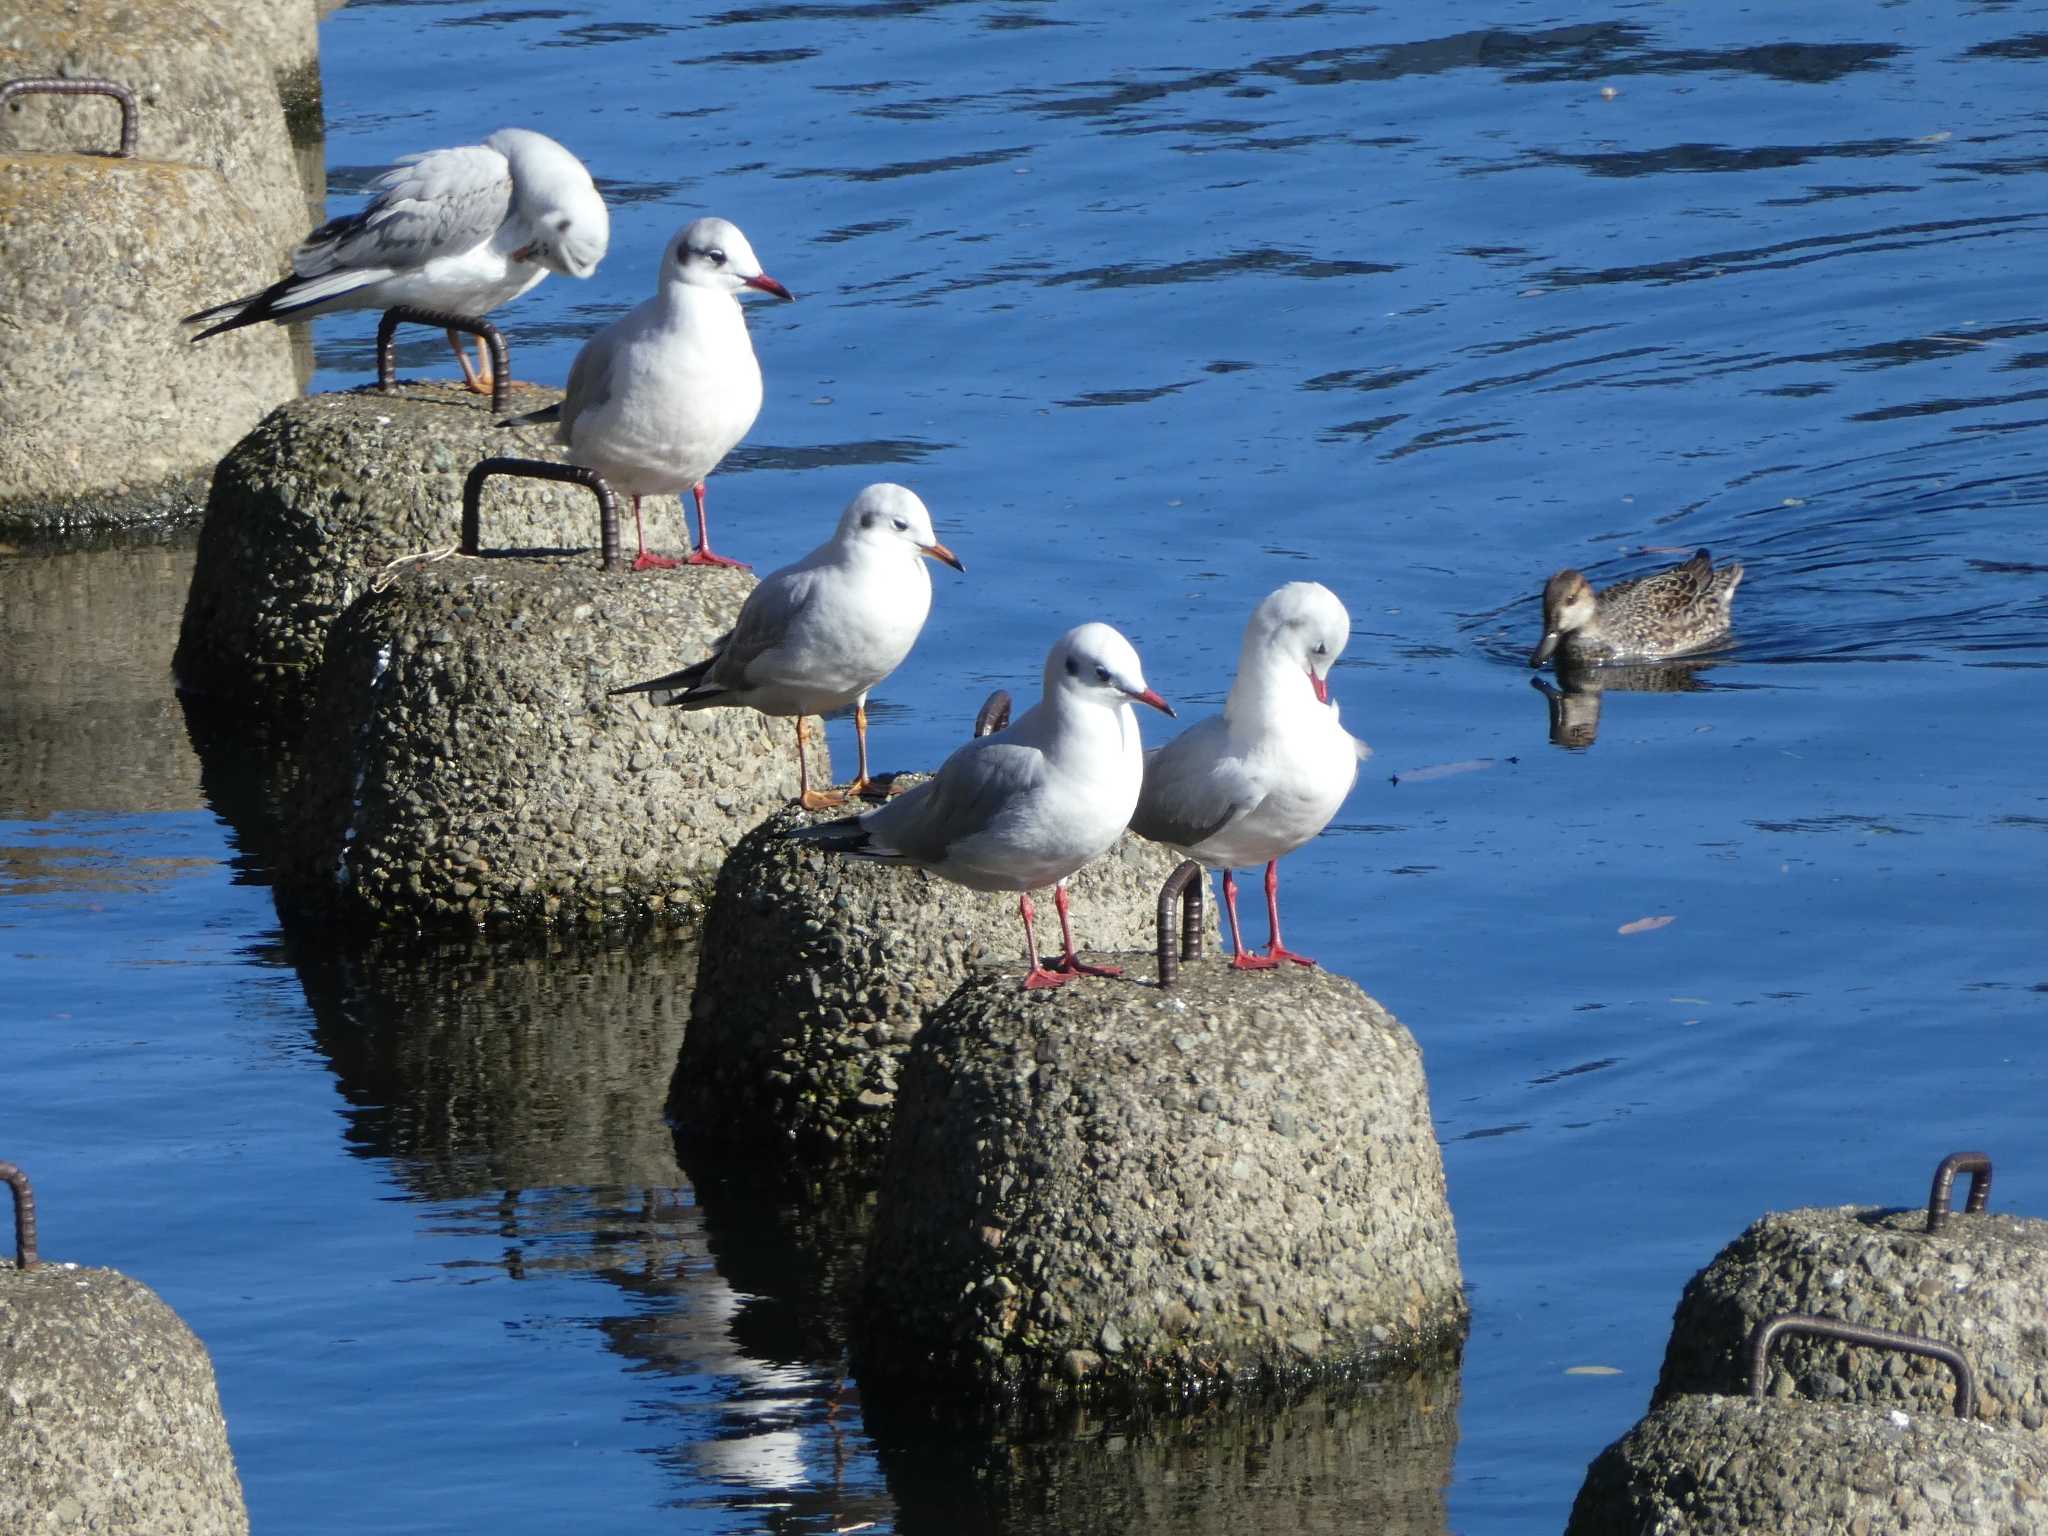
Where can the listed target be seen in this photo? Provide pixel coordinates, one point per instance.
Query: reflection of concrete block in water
(1373, 1457)
(87, 719)
(825, 968)
(311, 505)
(464, 766)
(484, 1068)
(1112, 1186)
(1726, 1466)
(108, 415)
(109, 1416)
(207, 98)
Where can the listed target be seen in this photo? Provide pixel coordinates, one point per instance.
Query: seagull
(1254, 783)
(1025, 807)
(457, 230)
(817, 635)
(658, 397)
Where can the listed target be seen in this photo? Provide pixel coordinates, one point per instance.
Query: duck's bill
(1151, 696)
(767, 284)
(940, 552)
(1544, 648)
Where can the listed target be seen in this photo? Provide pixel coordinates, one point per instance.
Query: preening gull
(1025, 807)
(817, 635)
(658, 397)
(457, 230)
(1254, 783)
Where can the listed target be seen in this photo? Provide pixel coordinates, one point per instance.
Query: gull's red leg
(1276, 951)
(1038, 975)
(1238, 956)
(1070, 963)
(645, 561)
(702, 555)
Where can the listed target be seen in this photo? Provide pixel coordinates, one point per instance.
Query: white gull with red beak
(1251, 785)
(658, 397)
(458, 230)
(1025, 807)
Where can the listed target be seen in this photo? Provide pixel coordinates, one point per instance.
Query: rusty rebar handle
(491, 336)
(1978, 1166)
(131, 114)
(540, 469)
(1186, 886)
(24, 1216)
(1771, 1329)
(995, 714)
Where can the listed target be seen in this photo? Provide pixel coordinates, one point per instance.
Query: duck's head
(1567, 605)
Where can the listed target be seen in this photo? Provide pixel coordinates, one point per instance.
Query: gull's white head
(568, 227)
(1300, 628)
(1097, 665)
(712, 253)
(885, 516)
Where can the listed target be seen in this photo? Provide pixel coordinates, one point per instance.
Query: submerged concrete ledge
(820, 971)
(308, 508)
(464, 768)
(1116, 1189)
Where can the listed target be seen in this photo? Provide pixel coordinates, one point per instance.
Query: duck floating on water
(1647, 618)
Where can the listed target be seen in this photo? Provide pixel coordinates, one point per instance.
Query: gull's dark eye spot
(1322, 650)
(1073, 667)
(1102, 674)
(902, 526)
(562, 223)
(683, 254)
(867, 520)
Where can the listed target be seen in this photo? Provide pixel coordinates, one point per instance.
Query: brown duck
(1647, 618)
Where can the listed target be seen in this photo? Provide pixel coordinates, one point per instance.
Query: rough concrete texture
(205, 95)
(1724, 1466)
(109, 1418)
(1977, 1285)
(308, 508)
(87, 718)
(107, 414)
(799, 1047)
(1113, 1188)
(479, 1067)
(1361, 1457)
(284, 33)
(464, 768)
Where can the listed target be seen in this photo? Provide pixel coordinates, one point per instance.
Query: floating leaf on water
(1592, 1370)
(1443, 770)
(1647, 924)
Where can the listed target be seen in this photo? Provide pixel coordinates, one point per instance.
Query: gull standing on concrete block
(1254, 783)
(457, 230)
(817, 635)
(1025, 807)
(658, 397)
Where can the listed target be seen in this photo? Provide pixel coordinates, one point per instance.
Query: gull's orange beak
(767, 284)
(940, 552)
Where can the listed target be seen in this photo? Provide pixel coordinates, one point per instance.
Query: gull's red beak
(1321, 686)
(940, 552)
(524, 253)
(1151, 696)
(767, 284)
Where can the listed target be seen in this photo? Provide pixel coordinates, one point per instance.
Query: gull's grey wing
(970, 790)
(763, 624)
(436, 204)
(590, 381)
(1191, 792)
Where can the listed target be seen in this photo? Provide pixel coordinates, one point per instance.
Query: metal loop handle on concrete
(540, 469)
(131, 114)
(24, 1216)
(995, 714)
(492, 337)
(1772, 1329)
(1978, 1166)
(1186, 886)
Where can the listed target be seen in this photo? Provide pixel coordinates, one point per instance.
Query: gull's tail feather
(846, 835)
(684, 684)
(547, 415)
(282, 300)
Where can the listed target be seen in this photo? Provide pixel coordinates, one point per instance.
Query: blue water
(1156, 310)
